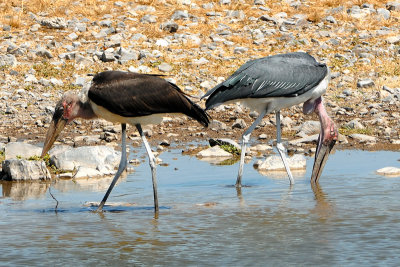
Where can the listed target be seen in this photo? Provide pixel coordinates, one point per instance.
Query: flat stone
(274, 163)
(13, 150)
(213, 152)
(21, 170)
(7, 60)
(365, 83)
(54, 23)
(389, 171)
(165, 67)
(354, 124)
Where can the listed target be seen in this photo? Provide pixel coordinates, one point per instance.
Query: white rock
(274, 163)
(23, 150)
(212, 152)
(94, 157)
(20, 169)
(389, 171)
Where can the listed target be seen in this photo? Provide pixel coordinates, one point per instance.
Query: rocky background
(49, 47)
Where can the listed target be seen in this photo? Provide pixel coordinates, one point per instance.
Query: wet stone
(20, 170)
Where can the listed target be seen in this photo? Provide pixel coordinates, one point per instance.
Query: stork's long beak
(56, 126)
(321, 156)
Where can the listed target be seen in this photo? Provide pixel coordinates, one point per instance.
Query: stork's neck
(329, 130)
(85, 110)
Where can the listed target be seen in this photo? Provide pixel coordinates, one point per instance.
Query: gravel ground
(197, 44)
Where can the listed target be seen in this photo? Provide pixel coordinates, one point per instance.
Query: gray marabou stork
(275, 82)
(124, 97)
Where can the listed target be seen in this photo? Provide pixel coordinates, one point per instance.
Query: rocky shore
(197, 44)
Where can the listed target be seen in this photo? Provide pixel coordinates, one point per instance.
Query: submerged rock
(389, 171)
(20, 169)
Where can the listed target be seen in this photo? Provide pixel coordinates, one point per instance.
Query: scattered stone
(54, 23)
(365, 83)
(309, 128)
(170, 27)
(22, 170)
(362, 138)
(354, 124)
(217, 125)
(239, 123)
(165, 67)
(7, 60)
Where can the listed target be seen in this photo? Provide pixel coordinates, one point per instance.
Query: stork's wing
(283, 75)
(133, 95)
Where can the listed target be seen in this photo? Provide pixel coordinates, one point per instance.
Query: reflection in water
(354, 220)
(240, 196)
(23, 190)
(86, 184)
(323, 207)
(220, 160)
(279, 174)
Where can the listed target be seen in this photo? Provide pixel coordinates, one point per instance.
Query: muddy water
(352, 218)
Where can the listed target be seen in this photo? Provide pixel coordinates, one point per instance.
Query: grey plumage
(282, 75)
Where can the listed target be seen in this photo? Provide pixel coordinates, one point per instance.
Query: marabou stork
(124, 97)
(275, 82)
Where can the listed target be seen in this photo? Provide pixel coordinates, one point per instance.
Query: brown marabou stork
(124, 97)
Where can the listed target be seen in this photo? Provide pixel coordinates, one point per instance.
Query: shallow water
(352, 218)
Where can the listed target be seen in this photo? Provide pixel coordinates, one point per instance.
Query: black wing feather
(134, 95)
(283, 75)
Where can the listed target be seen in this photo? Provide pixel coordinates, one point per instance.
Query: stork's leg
(281, 148)
(121, 168)
(152, 161)
(245, 140)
